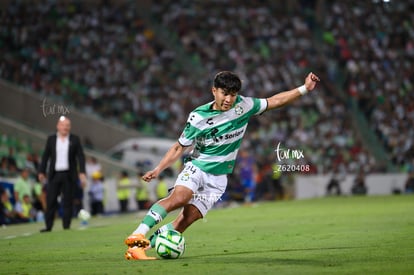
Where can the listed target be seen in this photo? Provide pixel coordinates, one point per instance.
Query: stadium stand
(377, 60)
(113, 60)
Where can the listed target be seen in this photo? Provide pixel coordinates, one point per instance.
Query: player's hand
(150, 175)
(310, 81)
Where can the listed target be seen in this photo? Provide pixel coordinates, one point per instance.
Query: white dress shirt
(62, 153)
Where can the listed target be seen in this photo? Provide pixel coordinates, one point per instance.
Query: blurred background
(127, 73)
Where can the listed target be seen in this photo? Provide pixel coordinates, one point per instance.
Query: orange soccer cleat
(138, 240)
(137, 253)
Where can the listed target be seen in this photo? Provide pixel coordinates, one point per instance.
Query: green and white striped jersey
(217, 135)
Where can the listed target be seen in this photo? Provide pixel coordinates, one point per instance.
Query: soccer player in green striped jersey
(214, 131)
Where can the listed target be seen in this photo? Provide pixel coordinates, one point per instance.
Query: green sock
(154, 215)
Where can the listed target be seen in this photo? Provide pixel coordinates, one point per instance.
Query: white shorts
(207, 188)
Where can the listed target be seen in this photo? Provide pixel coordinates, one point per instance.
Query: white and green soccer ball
(170, 244)
(84, 215)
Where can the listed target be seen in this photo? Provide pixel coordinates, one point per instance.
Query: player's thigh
(191, 177)
(180, 194)
(179, 197)
(214, 188)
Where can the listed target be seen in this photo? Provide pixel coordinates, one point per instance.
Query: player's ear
(213, 90)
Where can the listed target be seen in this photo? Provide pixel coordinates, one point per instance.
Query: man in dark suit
(64, 154)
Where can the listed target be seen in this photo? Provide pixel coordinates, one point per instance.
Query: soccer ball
(170, 244)
(84, 215)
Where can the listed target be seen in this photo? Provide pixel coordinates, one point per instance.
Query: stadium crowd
(107, 60)
(23, 200)
(378, 63)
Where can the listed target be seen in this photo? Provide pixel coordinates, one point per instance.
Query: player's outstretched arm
(284, 98)
(173, 154)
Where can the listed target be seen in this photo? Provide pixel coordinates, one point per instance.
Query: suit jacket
(76, 157)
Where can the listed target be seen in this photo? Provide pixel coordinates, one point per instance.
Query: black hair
(228, 81)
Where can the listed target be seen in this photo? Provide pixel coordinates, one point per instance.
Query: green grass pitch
(345, 235)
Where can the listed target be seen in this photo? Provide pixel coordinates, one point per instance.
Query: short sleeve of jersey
(189, 132)
(261, 104)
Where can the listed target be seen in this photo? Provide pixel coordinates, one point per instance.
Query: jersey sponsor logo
(233, 135)
(214, 131)
(226, 136)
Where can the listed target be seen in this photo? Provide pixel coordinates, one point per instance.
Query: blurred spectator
(161, 188)
(276, 186)
(3, 209)
(246, 170)
(96, 194)
(334, 184)
(32, 162)
(409, 183)
(235, 190)
(4, 167)
(7, 214)
(24, 210)
(92, 165)
(265, 172)
(22, 186)
(142, 193)
(11, 162)
(123, 191)
(8, 166)
(359, 187)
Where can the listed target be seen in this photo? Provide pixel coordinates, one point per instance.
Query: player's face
(223, 101)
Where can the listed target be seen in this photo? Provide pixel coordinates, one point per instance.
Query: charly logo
(238, 110)
(53, 109)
